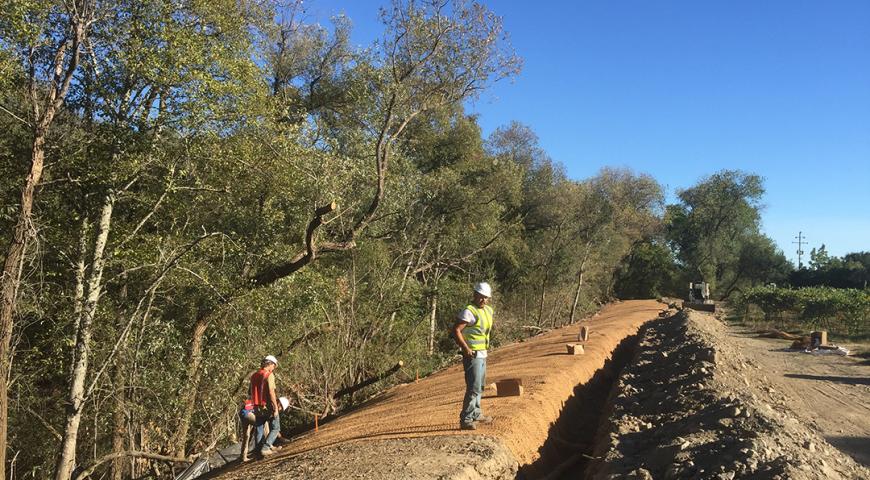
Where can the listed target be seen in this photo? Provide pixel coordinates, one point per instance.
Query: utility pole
(801, 241)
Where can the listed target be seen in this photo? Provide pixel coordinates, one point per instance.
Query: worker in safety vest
(264, 407)
(471, 332)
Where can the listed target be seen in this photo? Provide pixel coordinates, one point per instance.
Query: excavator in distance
(699, 297)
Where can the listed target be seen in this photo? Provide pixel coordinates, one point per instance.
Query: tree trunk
(24, 229)
(12, 268)
(576, 297)
(401, 290)
(542, 300)
(188, 393)
(119, 434)
(433, 308)
(76, 400)
(119, 417)
(579, 282)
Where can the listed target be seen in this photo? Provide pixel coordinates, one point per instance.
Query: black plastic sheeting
(216, 460)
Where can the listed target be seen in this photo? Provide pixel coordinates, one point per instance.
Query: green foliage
(648, 272)
(714, 232)
(844, 311)
(850, 271)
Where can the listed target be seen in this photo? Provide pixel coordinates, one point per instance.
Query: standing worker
(471, 332)
(266, 406)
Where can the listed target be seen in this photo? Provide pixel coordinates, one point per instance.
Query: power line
(801, 241)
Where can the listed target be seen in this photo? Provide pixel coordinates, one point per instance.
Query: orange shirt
(260, 382)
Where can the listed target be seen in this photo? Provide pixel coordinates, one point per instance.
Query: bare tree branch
(277, 272)
(87, 472)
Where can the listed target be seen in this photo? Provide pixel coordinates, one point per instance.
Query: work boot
(280, 441)
(266, 452)
(483, 419)
(468, 426)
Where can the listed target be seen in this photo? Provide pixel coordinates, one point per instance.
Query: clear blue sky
(681, 89)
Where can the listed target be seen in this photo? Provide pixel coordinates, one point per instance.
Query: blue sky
(682, 89)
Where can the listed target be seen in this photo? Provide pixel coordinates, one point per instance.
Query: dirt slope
(431, 407)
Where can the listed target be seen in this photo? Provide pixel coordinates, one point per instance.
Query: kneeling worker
(265, 408)
(471, 332)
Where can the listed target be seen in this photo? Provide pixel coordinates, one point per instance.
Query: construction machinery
(699, 297)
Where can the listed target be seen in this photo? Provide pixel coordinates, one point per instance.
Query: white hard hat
(484, 289)
(271, 358)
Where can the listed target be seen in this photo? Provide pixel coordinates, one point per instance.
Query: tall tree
(49, 40)
(713, 219)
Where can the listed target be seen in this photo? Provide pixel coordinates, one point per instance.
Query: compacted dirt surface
(830, 393)
(680, 395)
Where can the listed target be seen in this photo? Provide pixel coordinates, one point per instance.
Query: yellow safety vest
(477, 335)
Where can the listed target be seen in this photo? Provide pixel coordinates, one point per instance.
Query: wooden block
(511, 387)
(574, 349)
(818, 339)
(584, 334)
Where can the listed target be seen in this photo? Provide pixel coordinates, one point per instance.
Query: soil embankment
(430, 408)
(696, 402)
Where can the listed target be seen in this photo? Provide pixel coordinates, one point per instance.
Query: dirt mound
(692, 406)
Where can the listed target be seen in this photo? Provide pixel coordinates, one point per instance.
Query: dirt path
(831, 394)
(431, 407)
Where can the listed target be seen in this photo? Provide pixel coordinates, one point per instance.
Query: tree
(850, 271)
(820, 260)
(650, 271)
(430, 57)
(49, 41)
(708, 227)
(462, 206)
(760, 262)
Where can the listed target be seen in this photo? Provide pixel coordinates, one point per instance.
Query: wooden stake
(315, 422)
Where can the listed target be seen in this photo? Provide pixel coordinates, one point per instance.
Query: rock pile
(691, 406)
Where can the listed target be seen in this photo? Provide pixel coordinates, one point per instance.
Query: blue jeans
(248, 422)
(475, 375)
(274, 428)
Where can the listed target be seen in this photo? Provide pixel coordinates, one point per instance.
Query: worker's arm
(460, 340)
(273, 397)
